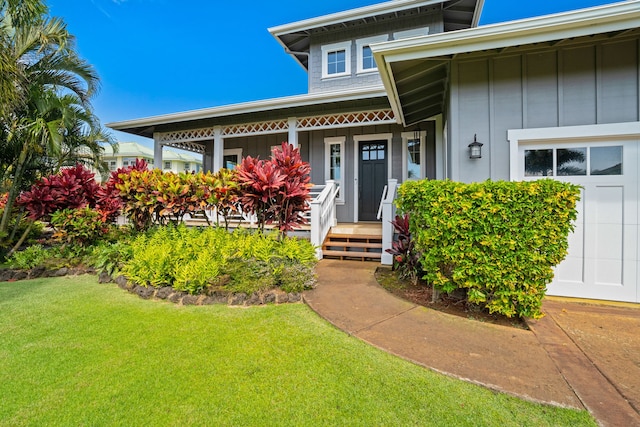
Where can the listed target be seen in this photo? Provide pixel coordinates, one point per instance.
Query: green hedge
(498, 240)
(194, 259)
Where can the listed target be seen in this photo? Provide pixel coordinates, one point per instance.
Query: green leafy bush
(32, 256)
(193, 259)
(79, 226)
(110, 257)
(497, 240)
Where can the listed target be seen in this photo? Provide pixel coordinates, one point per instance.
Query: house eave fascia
(612, 17)
(251, 107)
(349, 15)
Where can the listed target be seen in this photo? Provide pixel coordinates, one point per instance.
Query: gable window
(366, 61)
(413, 155)
(334, 166)
(336, 60)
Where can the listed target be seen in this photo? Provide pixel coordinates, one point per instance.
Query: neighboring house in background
(173, 160)
(399, 90)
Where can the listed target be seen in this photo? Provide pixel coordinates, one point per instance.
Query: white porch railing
(388, 212)
(323, 215)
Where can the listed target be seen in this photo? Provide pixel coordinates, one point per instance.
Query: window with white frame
(366, 61)
(232, 156)
(112, 165)
(336, 60)
(167, 165)
(128, 161)
(187, 166)
(413, 155)
(334, 162)
(416, 32)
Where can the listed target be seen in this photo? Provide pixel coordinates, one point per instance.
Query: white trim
(355, 14)
(254, 107)
(328, 142)
(406, 136)
(565, 134)
(231, 152)
(585, 22)
(357, 139)
(336, 47)
(440, 139)
(360, 45)
(415, 32)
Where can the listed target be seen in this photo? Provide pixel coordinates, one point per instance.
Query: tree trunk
(13, 192)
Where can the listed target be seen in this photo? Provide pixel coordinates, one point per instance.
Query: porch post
(218, 149)
(388, 214)
(157, 152)
(293, 132)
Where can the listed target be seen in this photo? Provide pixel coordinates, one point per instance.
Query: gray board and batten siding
(589, 80)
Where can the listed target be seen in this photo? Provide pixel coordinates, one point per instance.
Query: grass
(73, 352)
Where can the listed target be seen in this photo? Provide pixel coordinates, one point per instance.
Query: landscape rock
(295, 297)
(237, 299)
(104, 277)
(164, 292)
(144, 292)
(189, 299)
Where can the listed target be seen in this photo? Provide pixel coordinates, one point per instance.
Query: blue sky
(164, 56)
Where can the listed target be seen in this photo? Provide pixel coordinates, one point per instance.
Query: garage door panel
(603, 254)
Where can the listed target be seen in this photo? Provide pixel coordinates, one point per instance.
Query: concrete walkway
(578, 356)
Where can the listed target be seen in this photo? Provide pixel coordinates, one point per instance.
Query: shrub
(110, 257)
(497, 240)
(79, 226)
(406, 259)
(193, 260)
(30, 257)
(276, 190)
(71, 188)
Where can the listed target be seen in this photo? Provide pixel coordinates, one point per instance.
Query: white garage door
(603, 249)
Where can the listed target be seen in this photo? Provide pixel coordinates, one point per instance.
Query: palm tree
(46, 117)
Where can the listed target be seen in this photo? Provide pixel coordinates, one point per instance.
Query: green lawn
(74, 352)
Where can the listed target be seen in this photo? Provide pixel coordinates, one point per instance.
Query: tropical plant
(276, 190)
(406, 260)
(46, 118)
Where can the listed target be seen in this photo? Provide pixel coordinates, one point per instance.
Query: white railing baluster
(323, 215)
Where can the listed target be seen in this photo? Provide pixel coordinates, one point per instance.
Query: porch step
(364, 247)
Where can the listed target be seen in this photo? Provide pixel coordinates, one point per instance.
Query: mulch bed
(422, 294)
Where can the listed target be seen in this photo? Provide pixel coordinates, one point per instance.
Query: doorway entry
(372, 177)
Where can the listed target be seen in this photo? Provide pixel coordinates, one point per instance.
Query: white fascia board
(613, 17)
(350, 15)
(253, 107)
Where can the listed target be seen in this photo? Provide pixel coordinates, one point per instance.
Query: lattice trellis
(274, 126)
(186, 135)
(188, 139)
(347, 119)
(189, 146)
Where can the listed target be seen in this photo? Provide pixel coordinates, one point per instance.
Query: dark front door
(372, 178)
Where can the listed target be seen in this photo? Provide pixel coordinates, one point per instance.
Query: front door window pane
(571, 161)
(538, 163)
(606, 160)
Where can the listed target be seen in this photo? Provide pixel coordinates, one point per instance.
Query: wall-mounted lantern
(475, 149)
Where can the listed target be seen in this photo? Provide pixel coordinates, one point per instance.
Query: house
(549, 97)
(401, 89)
(172, 160)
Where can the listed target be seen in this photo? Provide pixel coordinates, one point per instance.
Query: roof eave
(250, 107)
(613, 17)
